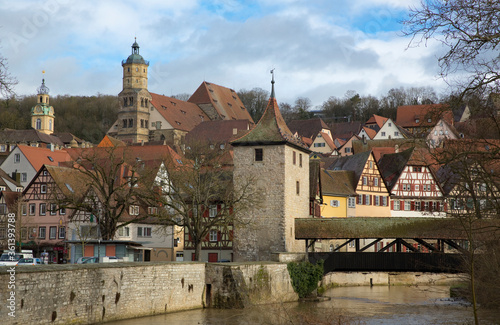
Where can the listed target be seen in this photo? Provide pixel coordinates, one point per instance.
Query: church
(146, 117)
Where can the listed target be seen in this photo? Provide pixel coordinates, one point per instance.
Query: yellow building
(42, 114)
(339, 195)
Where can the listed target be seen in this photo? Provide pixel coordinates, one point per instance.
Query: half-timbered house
(415, 190)
(372, 195)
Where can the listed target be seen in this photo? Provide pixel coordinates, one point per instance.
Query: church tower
(135, 99)
(42, 114)
(277, 165)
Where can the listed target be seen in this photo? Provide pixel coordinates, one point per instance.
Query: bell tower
(42, 114)
(135, 99)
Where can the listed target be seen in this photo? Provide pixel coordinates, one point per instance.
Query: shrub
(305, 277)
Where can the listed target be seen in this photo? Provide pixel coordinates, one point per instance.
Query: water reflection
(348, 305)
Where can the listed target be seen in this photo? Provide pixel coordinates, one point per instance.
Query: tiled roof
(42, 156)
(377, 120)
(402, 144)
(370, 132)
(67, 137)
(355, 163)
(11, 198)
(69, 180)
(379, 152)
(219, 131)
(345, 130)
(392, 165)
(271, 129)
(328, 140)
(407, 116)
(307, 128)
(314, 178)
(109, 141)
(339, 182)
(181, 115)
(226, 101)
(25, 136)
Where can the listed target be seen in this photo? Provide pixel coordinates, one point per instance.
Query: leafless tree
(470, 31)
(7, 81)
(188, 188)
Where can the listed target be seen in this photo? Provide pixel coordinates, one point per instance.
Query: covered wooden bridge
(433, 234)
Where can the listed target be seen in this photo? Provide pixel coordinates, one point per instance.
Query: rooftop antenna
(272, 83)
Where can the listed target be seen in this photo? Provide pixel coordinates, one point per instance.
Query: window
(53, 209)
(62, 211)
(396, 133)
(31, 233)
(375, 181)
(417, 120)
(258, 154)
(365, 180)
(24, 233)
(143, 231)
(3, 208)
(347, 150)
(371, 164)
(52, 232)
(124, 232)
(2, 233)
(429, 120)
(352, 202)
(384, 201)
(133, 210)
(24, 209)
(43, 209)
(41, 232)
(417, 187)
(62, 232)
(407, 205)
(152, 210)
(213, 235)
(32, 209)
(383, 134)
(3, 148)
(297, 185)
(334, 203)
(124, 123)
(24, 177)
(212, 211)
(294, 157)
(300, 160)
(417, 206)
(377, 200)
(17, 158)
(368, 199)
(43, 188)
(38, 124)
(396, 206)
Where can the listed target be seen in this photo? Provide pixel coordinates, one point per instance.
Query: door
(213, 257)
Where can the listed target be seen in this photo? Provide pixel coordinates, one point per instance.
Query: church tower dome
(42, 114)
(135, 99)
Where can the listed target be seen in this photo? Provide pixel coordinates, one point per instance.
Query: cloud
(319, 48)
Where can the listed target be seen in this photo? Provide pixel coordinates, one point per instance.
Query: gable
(179, 114)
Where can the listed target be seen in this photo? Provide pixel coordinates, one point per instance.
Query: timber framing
(394, 227)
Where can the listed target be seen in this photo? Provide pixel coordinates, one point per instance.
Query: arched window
(50, 125)
(142, 102)
(125, 101)
(124, 123)
(38, 124)
(142, 123)
(41, 99)
(130, 123)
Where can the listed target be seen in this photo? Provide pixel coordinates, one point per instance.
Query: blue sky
(319, 48)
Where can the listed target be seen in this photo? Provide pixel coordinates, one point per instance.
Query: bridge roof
(392, 227)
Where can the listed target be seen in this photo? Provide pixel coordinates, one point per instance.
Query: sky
(318, 48)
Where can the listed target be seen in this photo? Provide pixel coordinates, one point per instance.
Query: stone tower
(42, 114)
(135, 99)
(278, 165)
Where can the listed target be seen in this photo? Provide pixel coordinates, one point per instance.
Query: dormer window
(417, 120)
(429, 120)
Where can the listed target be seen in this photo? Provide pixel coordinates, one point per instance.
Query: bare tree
(196, 192)
(470, 31)
(7, 81)
(255, 101)
(111, 177)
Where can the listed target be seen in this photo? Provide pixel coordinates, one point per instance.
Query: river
(348, 305)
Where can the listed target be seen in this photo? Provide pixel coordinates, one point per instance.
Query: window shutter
(445, 206)
(371, 200)
(219, 236)
(401, 205)
(412, 206)
(438, 206)
(392, 205)
(207, 237)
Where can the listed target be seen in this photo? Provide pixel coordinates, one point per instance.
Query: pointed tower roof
(271, 129)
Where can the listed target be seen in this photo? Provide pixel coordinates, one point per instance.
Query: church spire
(272, 83)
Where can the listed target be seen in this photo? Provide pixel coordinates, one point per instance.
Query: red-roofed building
(418, 119)
(146, 116)
(24, 162)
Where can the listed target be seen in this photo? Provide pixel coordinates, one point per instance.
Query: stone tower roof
(135, 57)
(271, 129)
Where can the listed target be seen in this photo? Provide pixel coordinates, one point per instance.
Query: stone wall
(76, 294)
(88, 294)
(390, 278)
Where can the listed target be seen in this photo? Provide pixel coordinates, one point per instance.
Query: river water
(348, 305)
